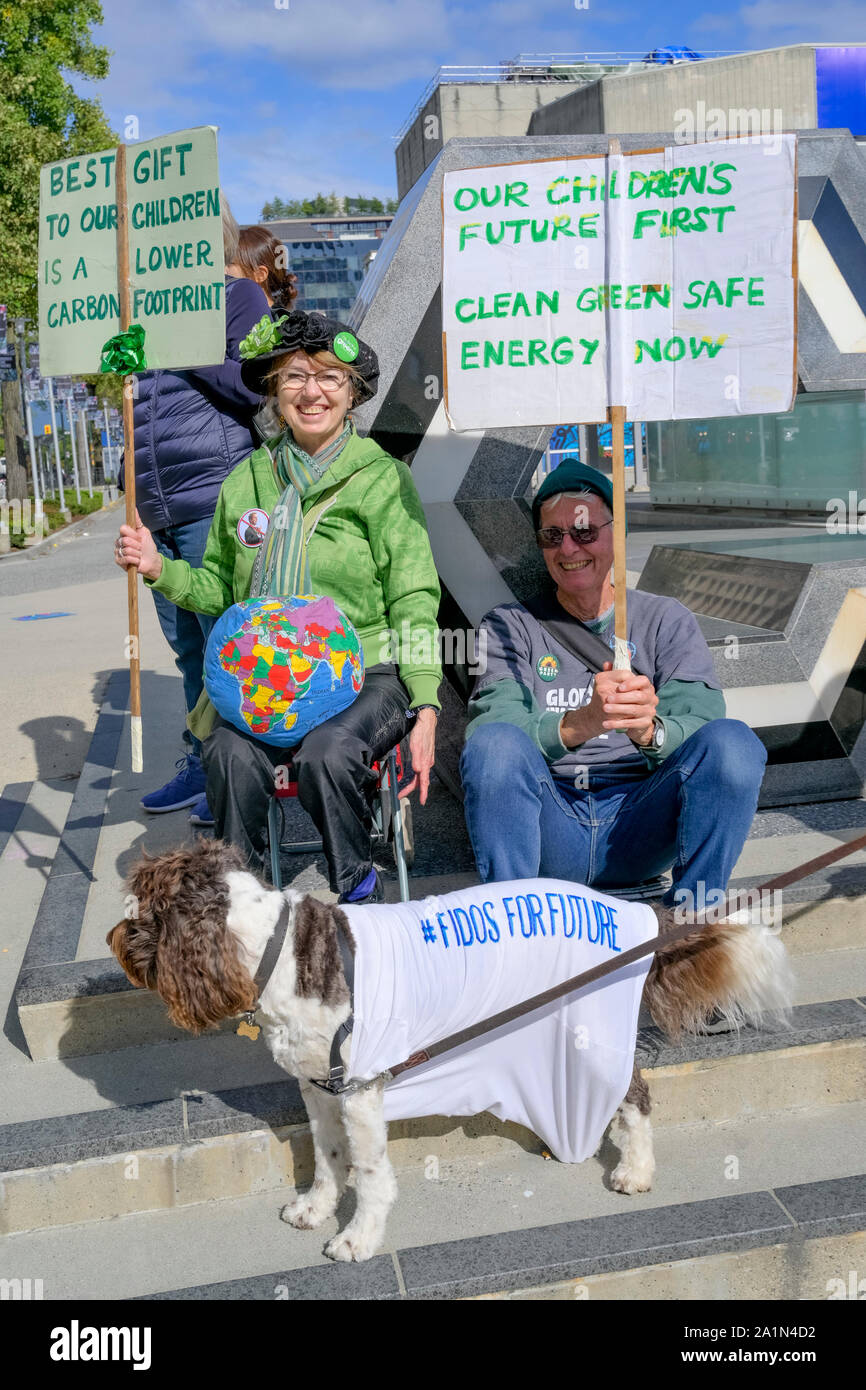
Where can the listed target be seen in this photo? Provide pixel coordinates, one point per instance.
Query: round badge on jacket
(253, 527)
(547, 667)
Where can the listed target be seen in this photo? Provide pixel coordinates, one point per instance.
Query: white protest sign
(175, 254)
(664, 282)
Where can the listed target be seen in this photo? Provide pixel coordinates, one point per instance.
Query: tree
(41, 119)
(327, 205)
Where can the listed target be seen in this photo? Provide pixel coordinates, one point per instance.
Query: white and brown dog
(197, 933)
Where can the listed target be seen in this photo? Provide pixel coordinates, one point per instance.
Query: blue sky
(308, 96)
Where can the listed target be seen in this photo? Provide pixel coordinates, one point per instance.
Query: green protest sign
(176, 267)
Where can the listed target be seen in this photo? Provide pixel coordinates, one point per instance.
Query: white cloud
(775, 23)
(372, 45)
(335, 42)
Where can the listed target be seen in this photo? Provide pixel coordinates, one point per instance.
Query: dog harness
(424, 970)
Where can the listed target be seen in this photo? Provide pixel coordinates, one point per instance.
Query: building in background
(329, 272)
(497, 100)
(330, 255)
(805, 86)
(330, 228)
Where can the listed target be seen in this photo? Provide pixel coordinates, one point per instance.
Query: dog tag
(245, 1029)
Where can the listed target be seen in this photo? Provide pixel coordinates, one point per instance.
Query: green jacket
(368, 550)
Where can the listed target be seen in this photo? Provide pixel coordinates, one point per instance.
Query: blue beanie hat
(572, 476)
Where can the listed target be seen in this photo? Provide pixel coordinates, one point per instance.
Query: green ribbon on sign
(124, 352)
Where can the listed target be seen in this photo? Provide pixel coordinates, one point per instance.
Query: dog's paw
(348, 1246)
(631, 1179)
(306, 1213)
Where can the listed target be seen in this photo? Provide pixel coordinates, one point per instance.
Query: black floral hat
(278, 333)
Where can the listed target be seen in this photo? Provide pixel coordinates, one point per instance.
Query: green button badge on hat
(346, 347)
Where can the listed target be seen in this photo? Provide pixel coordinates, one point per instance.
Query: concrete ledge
(771, 1244)
(740, 1087)
(204, 1146)
(101, 1022)
(77, 1008)
(774, 1273)
(828, 1022)
(12, 803)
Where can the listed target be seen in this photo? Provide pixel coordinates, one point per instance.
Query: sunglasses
(551, 537)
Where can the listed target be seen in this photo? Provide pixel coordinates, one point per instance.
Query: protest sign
(662, 282)
(176, 269)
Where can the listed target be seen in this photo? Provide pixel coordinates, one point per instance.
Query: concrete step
(190, 1144)
(219, 1062)
(79, 1008)
(207, 1145)
(731, 1215)
(74, 1001)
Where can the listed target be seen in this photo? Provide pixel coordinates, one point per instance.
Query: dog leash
(334, 1083)
(597, 972)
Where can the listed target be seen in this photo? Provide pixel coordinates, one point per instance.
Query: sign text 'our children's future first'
(704, 179)
(175, 254)
(662, 281)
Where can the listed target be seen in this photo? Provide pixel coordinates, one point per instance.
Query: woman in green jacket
(319, 510)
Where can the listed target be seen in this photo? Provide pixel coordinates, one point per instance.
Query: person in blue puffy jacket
(192, 428)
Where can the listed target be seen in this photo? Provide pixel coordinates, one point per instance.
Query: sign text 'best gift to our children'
(176, 271)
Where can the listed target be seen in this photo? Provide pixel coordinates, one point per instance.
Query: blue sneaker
(201, 814)
(183, 790)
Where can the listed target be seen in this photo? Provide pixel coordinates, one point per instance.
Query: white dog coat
(426, 969)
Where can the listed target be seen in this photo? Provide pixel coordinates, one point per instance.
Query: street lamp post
(37, 496)
(74, 451)
(83, 418)
(110, 470)
(64, 510)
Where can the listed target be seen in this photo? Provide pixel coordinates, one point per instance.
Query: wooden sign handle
(129, 461)
(621, 658)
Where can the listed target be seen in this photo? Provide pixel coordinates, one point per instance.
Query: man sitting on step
(574, 770)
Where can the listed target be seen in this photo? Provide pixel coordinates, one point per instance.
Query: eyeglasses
(551, 537)
(329, 382)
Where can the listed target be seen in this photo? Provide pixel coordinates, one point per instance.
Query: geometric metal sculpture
(788, 640)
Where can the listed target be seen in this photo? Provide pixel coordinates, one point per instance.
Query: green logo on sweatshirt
(547, 667)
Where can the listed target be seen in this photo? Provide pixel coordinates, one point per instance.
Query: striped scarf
(282, 567)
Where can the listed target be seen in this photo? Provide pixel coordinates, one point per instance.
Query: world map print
(285, 665)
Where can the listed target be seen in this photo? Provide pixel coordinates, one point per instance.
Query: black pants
(336, 782)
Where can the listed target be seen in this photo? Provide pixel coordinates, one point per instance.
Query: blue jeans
(186, 633)
(691, 815)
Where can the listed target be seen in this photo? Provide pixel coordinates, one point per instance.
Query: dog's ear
(317, 955)
(178, 942)
(198, 973)
(134, 944)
